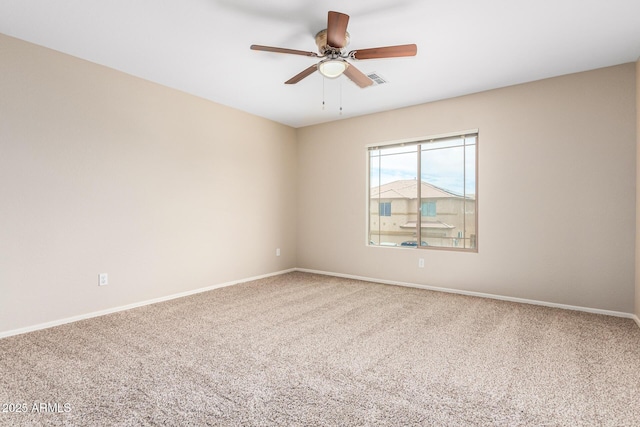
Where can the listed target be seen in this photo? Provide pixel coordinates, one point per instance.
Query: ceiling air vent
(377, 78)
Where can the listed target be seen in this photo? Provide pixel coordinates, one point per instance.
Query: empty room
(280, 212)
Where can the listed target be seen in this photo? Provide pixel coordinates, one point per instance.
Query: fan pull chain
(322, 94)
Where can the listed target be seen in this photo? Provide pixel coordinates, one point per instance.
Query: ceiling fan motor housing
(323, 47)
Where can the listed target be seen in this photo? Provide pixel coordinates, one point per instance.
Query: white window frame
(416, 141)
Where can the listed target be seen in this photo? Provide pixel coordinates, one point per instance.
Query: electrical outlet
(103, 279)
(421, 262)
(278, 252)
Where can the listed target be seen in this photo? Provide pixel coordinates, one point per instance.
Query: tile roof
(408, 189)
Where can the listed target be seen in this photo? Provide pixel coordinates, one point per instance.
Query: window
(428, 209)
(433, 187)
(385, 208)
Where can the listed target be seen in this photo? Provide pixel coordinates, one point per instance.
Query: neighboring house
(446, 217)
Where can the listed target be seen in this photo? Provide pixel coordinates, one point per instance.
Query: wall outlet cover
(103, 279)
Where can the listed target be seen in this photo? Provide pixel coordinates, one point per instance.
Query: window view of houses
(439, 210)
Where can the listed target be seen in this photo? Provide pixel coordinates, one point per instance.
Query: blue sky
(441, 165)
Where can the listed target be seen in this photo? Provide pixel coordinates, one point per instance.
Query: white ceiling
(202, 46)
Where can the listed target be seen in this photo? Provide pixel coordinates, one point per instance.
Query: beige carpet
(302, 349)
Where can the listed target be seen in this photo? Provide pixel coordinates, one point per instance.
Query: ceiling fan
(331, 45)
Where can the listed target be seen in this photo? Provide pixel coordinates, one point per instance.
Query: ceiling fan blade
(385, 52)
(283, 50)
(357, 76)
(337, 29)
(307, 72)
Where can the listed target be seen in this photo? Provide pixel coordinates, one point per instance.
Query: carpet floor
(304, 349)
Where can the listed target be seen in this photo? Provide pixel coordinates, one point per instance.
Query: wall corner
(637, 263)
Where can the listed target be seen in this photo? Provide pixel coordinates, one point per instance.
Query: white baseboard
(4, 334)
(477, 294)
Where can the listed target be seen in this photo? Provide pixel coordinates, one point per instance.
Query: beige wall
(545, 148)
(637, 310)
(166, 192)
(104, 172)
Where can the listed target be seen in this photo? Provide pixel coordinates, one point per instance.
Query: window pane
(385, 208)
(393, 196)
(374, 205)
(428, 208)
(442, 173)
(470, 190)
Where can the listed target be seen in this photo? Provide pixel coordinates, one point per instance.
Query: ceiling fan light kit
(332, 68)
(331, 44)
